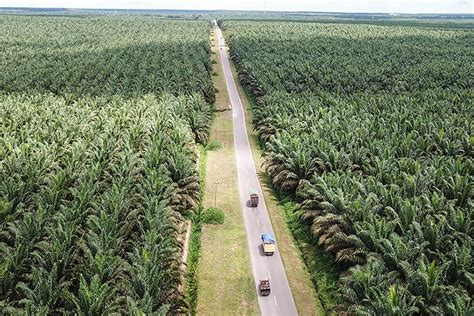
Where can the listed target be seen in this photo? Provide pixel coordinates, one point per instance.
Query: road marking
(258, 223)
(275, 299)
(269, 275)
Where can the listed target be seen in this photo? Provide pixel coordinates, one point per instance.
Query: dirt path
(186, 246)
(184, 255)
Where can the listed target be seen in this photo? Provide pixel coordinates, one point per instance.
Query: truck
(268, 244)
(264, 287)
(253, 198)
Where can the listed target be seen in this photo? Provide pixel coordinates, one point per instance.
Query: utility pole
(215, 191)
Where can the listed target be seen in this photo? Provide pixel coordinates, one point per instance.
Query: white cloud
(400, 6)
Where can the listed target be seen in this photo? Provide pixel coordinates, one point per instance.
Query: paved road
(257, 221)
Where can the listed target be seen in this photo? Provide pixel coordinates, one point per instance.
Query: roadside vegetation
(367, 128)
(320, 268)
(194, 254)
(226, 283)
(100, 118)
(292, 249)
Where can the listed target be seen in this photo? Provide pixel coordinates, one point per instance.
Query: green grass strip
(194, 250)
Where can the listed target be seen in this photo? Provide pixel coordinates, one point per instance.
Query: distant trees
(127, 55)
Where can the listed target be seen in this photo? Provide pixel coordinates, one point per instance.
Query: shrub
(213, 215)
(214, 145)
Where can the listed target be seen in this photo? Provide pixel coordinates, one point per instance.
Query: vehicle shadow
(260, 250)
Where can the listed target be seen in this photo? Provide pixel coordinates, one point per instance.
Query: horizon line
(237, 10)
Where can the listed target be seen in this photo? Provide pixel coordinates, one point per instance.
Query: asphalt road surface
(280, 301)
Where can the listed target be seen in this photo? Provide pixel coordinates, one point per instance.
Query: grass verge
(194, 250)
(226, 284)
(323, 271)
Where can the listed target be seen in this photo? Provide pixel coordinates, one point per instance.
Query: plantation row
(94, 196)
(104, 56)
(98, 161)
(369, 130)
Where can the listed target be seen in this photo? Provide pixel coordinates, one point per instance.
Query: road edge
(278, 217)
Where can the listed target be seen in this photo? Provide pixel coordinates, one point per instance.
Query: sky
(387, 6)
